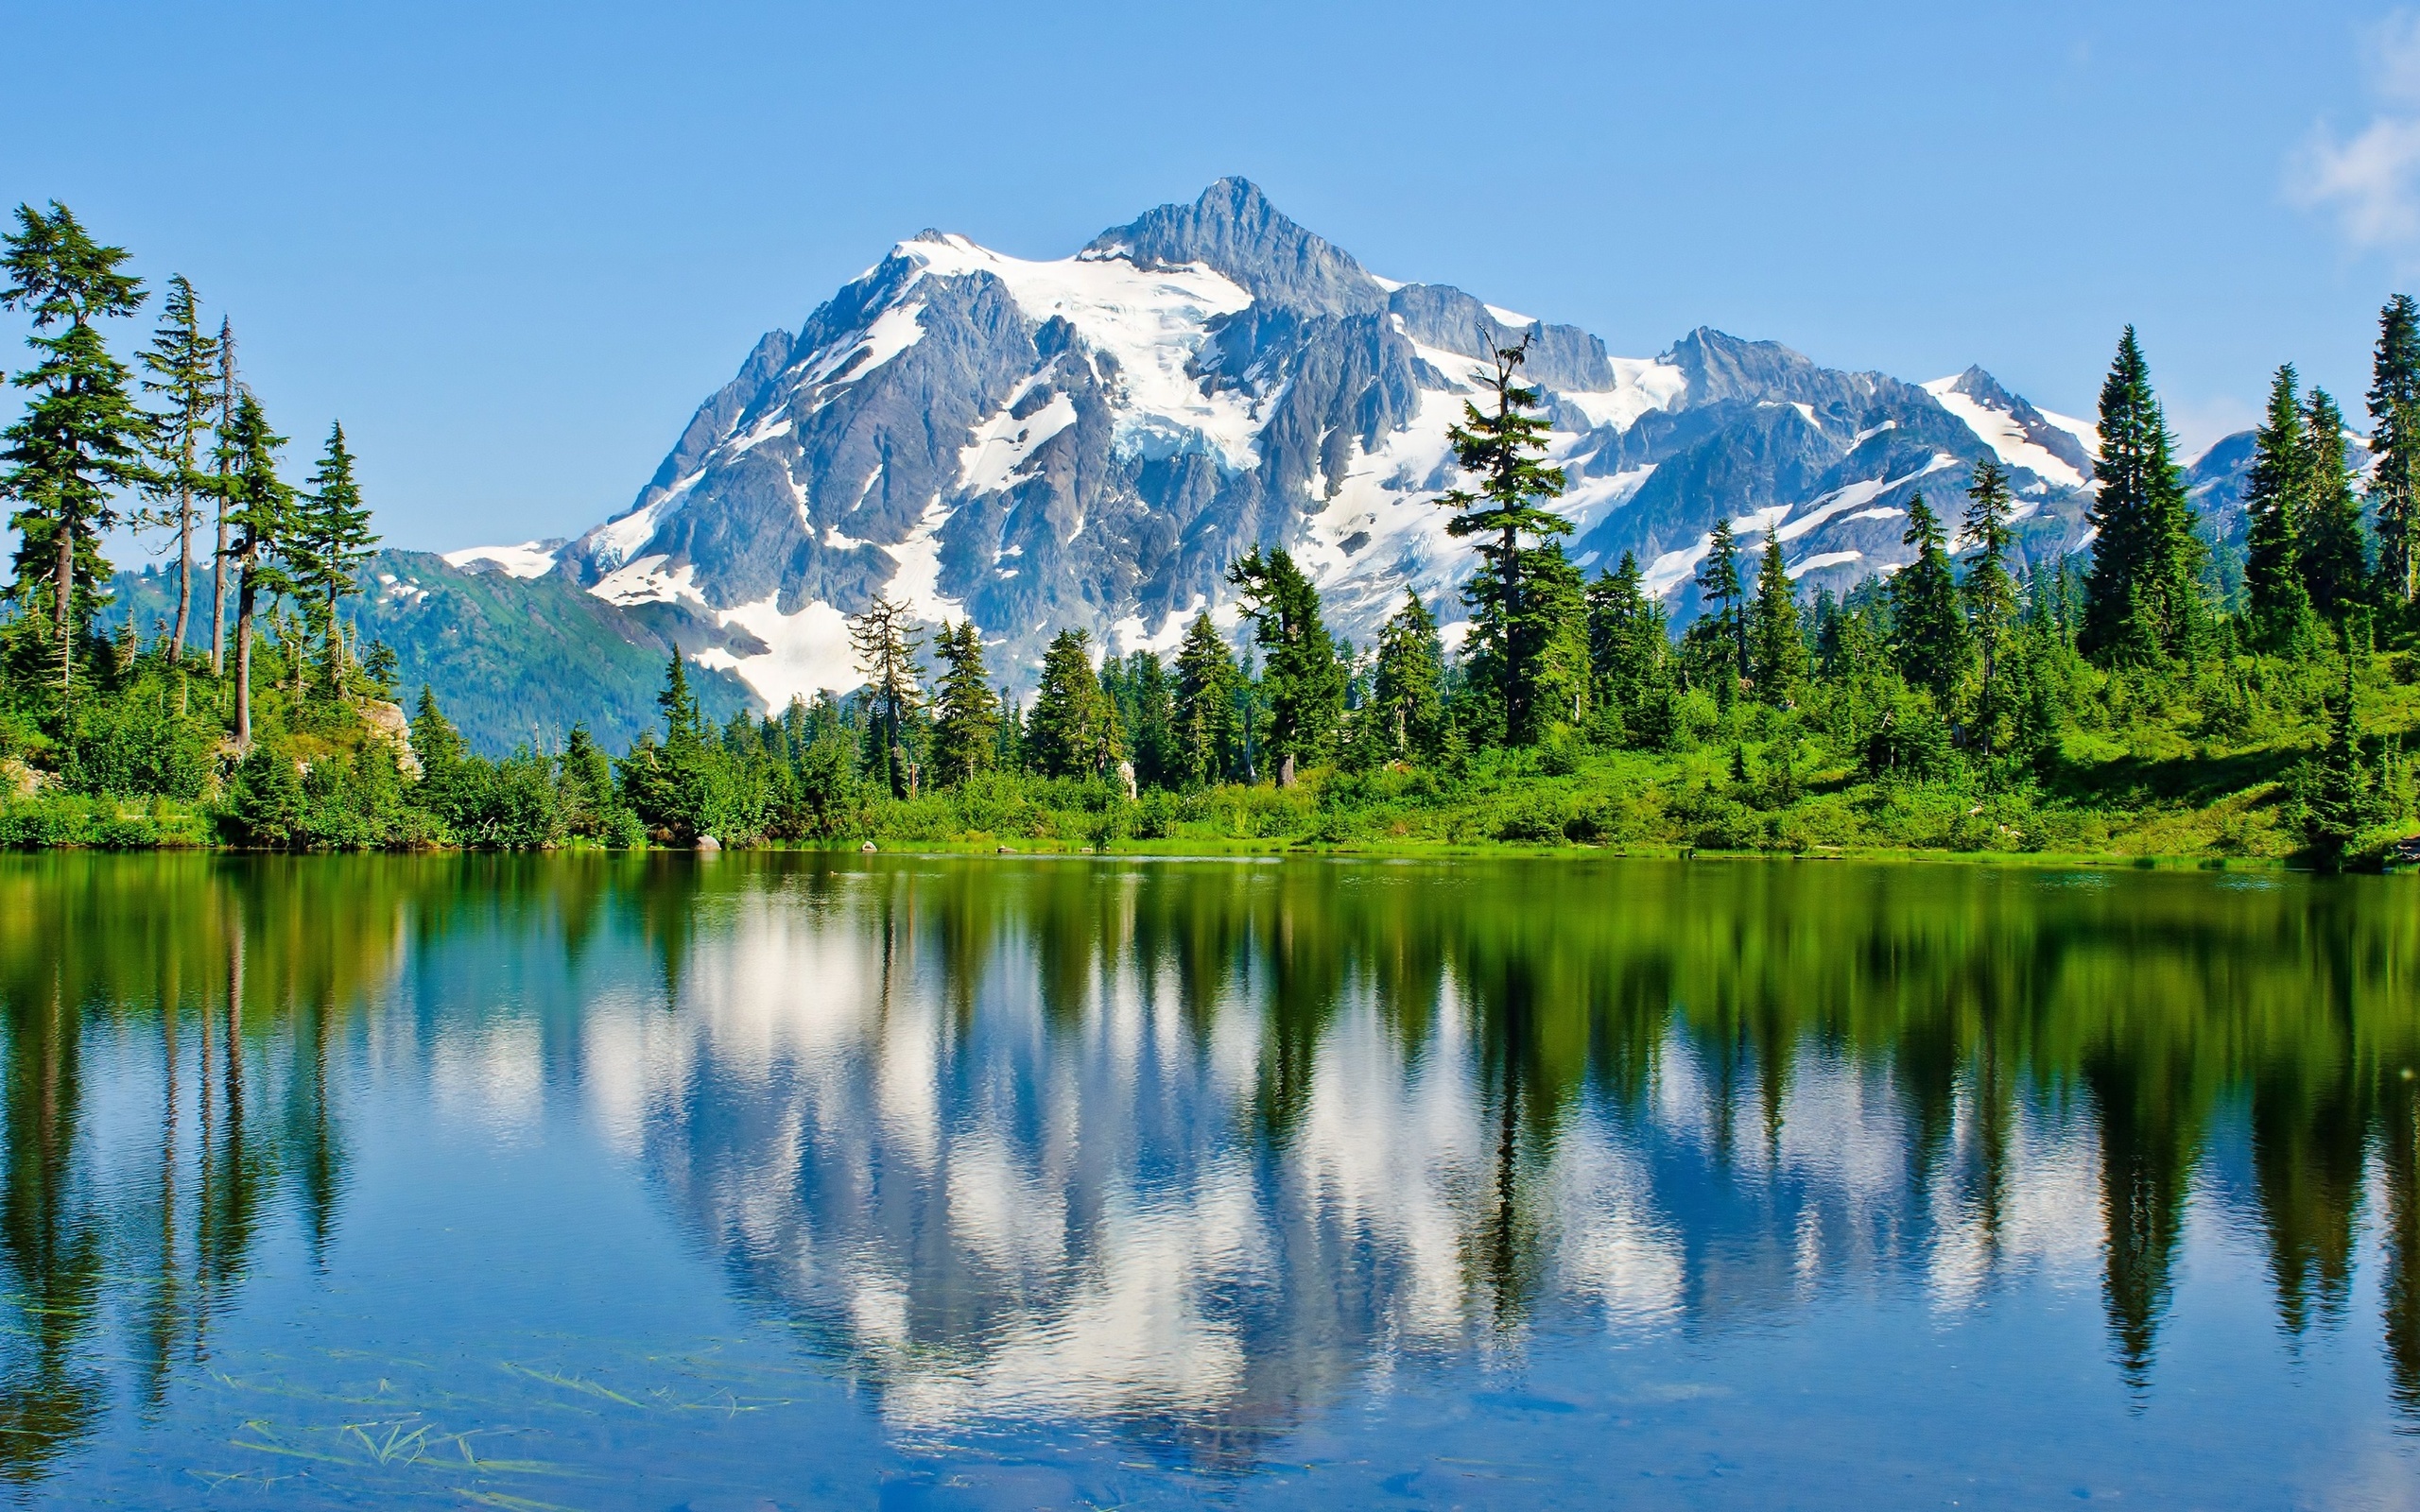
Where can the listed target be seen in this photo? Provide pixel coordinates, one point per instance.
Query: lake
(783, 1180)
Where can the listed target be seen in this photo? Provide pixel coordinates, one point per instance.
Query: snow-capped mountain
(1089, 441)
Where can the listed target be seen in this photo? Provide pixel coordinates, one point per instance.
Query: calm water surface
(781, 1181)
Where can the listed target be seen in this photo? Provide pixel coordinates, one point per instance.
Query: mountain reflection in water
(1201, 1151)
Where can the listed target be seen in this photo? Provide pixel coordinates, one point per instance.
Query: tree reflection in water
(1196, 1147)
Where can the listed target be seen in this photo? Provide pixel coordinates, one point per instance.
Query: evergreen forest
(2159, 692)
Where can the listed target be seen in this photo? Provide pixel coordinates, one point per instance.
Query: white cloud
(2394, 60)
(2371, 179)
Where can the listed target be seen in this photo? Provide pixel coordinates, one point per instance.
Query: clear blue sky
(512, 247)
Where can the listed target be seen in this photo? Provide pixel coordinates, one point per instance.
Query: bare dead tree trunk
(244, 596)
(66, 587)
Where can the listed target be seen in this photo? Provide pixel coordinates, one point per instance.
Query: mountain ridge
(1087, 442)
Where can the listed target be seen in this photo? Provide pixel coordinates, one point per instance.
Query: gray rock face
(1234, 229)
(1090, 442)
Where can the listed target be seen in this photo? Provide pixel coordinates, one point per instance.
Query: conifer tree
(2142, 600)
(78, 441)
(2334, 563)
(1990, 590)
(260, 511)
(1628, 643)
(886, 646)
(966, 722)
(223, 491)
(1301, 679)
(1406, 691)
(1073, 729)
(2275, 497)
(1548, 636)
(1208, 738)
(1506, 450)
(330, 539)
(183, 365)
(2336, 805)
(436, 744)
(1779, 644)
(1927, 633)
(1719, 581)
(2394, 440)
(1140, 688)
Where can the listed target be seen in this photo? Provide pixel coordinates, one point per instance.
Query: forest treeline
(2158, 691)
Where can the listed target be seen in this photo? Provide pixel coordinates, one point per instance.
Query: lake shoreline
(980, 847)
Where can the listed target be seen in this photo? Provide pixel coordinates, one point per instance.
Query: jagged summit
(1088, 441)
(1234, 229)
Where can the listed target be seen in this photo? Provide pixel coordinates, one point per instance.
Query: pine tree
(224, 491)
(1718, 582)
(2336, 806)
(260, 514)
(1507, 449)
(1209, 745)
(1990, 591)
(967, 720)
(330, 539)
(1779, 644)
(1140, 688)
(2275, 497)
(1073, 729)
(885, 646)
(1548, 636)
(1628, 642)
(2142, 600)
(183, 365)
(1927, 633)
(2334, 563)
(2394, 440)
(1301, 679)
(1406, 686)
(78, 440)
(436, 744)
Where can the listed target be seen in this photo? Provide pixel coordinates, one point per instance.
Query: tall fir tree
(1144, 693)
(1548, 637)
(2142, 600)
(78, 442)
(1407, 684)
(1628, 641)
(1777, 643)
(332, 538)
(1209, 737)
(2337, 802)
(2395, 442)
(182, 361)
(1301, 675)
(1927, 633)
(260, 514)
(436, 744)
(223, 494)
(966, 712)
(1504, 450)
(885, 642)
(2335, 565)
(2276, 499)
(1072, 731)
(1990, 593)
(1719, 581)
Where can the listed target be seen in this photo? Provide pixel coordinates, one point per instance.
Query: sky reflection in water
(653, 1182)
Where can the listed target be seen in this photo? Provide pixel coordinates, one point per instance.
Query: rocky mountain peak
(1234, 230)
